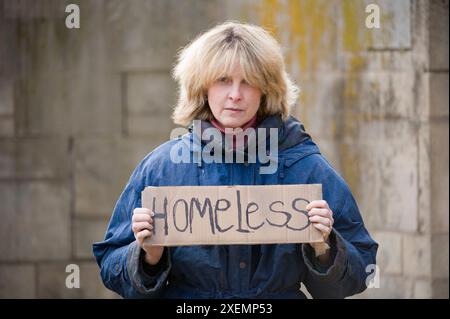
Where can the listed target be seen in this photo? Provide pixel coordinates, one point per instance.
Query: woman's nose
(235, 93)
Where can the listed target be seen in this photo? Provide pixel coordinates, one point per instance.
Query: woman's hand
(142, 226)
(321, 216)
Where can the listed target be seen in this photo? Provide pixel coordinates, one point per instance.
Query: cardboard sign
(224, 215)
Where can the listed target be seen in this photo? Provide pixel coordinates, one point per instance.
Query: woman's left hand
(321, 216)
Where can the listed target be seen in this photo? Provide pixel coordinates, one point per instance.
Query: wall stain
(322, 35)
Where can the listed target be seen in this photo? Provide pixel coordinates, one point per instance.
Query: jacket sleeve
(122, 268)
(352, 251)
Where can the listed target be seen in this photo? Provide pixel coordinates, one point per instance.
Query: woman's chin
(232, 123)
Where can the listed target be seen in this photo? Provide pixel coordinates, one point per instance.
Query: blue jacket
(239, 271)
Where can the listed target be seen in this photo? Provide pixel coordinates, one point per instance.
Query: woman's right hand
(142, 226)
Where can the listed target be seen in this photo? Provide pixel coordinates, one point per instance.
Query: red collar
(251, 123)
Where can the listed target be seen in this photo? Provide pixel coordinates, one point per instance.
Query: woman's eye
(223, 79)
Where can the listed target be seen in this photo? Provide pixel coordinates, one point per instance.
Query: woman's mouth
(233, 110)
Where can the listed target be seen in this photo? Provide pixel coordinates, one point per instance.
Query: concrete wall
(80, 108)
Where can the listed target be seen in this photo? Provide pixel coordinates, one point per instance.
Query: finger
(326, 213)
(137, 227)
(143, 234)
(321, 212)
(142, 218)
(317, 204)
(320, 220)
(325, 230)
(141, 210)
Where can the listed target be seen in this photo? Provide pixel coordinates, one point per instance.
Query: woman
(233, 76)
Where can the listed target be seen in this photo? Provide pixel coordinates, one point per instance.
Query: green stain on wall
(354, 43)
(321, 35)
(269, 10)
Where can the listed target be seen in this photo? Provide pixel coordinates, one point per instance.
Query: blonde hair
(212, 55)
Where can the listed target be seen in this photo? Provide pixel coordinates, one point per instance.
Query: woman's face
(232, 100)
